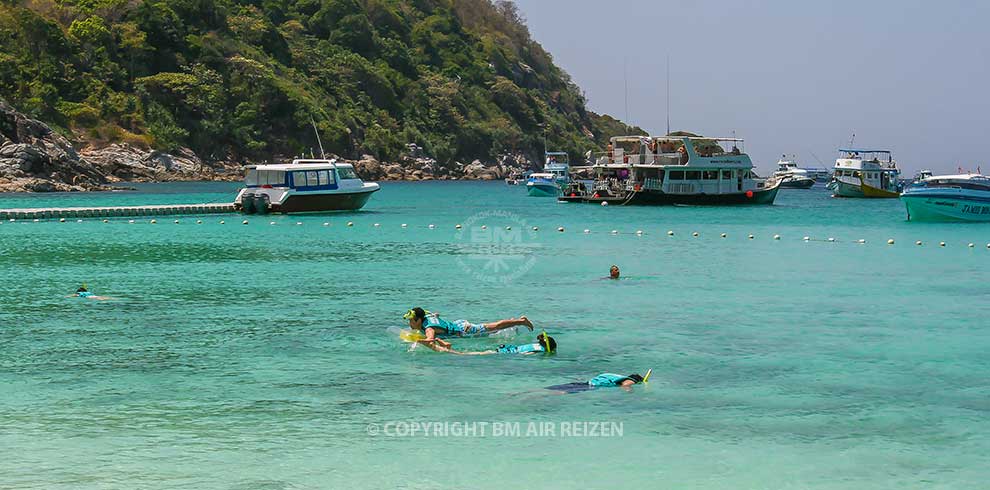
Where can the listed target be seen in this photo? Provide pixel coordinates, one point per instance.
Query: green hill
(242, 79)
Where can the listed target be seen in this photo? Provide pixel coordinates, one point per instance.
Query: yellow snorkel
(546, 342)
(648, 373)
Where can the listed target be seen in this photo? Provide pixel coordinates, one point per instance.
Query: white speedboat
(554, 178)
(786, 164)
(963, 197)
(304, 186)
(865, 173)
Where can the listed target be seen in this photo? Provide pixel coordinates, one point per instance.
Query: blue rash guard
(84, 294)
(520, 349)
(458, 328)
(608, 379)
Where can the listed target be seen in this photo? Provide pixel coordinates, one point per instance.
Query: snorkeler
(544, 343)
(82, 292)
(603, 380)
(432, 326)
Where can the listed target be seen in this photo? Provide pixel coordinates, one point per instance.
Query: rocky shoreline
(35, 158)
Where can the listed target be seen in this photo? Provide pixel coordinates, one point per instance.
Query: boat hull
(844, 188)
(317, 203)
(798, 183)
(946, 207)
(542, 190)
(658, 198)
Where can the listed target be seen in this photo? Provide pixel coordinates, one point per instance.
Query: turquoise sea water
(257, 356)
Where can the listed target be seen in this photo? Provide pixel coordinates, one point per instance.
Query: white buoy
(941, 244)
(484, 227)
(378, 225)
(587, 231)
(508, 228)
(36, 220)
(457, 226)
(199, 222)
(724, 235)
(61, 220)
(271, 223)
(670, 232)
(404, 225)
(831, 239)
(615, 232)
(861, 241)
(222, 222)
(807, 238)
(350, 223)
(776, 237)
(326, 223)
(78, 221)
(560, 229)
(917, 242)
(176, 221)
(244, 222)
(639, 232)
(988, 245)
(154, 221)
(106, 221)
(536, 228)
(298, 223)
(751, 237)
(695, 234)
(890, 241)
(604, 203)
(130, 221)
(971, 245)
(431, 226)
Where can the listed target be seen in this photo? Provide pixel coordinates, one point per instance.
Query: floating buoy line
(560, 229)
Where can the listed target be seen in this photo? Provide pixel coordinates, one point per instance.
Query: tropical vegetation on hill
(242, 79)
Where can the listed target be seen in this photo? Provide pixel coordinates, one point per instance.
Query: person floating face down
(434, 328)
(604, 380)
(82, 292)
(544, 344)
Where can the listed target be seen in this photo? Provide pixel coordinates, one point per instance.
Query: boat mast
(668, 95)
(322, 154)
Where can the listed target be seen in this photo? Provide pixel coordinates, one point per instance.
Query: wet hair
(635, 377)
(419, 313)
(82, 289)
(552, 347)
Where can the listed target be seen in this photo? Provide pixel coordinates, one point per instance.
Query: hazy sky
(788, 76)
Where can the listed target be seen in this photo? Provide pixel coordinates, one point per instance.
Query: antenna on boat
(851, 140)
(668, 94)
(625, 81)
(322, 154)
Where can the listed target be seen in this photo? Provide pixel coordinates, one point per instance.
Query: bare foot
(526, 322)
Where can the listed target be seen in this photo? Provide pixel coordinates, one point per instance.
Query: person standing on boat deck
(433, 326)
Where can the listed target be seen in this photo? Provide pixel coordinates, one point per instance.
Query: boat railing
(653, 184)
(618, 157)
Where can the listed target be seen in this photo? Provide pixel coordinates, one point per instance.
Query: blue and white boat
(553, 179)
(964, 197)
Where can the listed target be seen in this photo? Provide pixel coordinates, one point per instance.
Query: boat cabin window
(346, 173)
(693, 175)
(257, 177)
(710, 174)
(726, 175)
(311, 178)
(676, 175)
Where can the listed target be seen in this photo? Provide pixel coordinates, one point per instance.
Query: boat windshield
(346, 173)
(256, 178)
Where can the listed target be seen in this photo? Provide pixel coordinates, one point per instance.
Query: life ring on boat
(637, 187)
(625, 159)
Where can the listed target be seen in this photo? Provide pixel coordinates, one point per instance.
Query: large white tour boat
(865, 173)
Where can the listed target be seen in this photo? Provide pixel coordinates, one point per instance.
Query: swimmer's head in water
(613, 272)
(82, 289)
(635, 377)
(415, 317)
(548, 343)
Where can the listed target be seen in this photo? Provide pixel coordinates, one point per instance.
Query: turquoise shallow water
(256, 356)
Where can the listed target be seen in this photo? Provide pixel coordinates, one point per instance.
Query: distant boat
(304, 186)
(865, 174)
(673, 170)
(786, 164)
(553, 179)
(964, 197)
(793, 177)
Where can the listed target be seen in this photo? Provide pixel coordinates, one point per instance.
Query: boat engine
(262, 203)
(247, 203)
